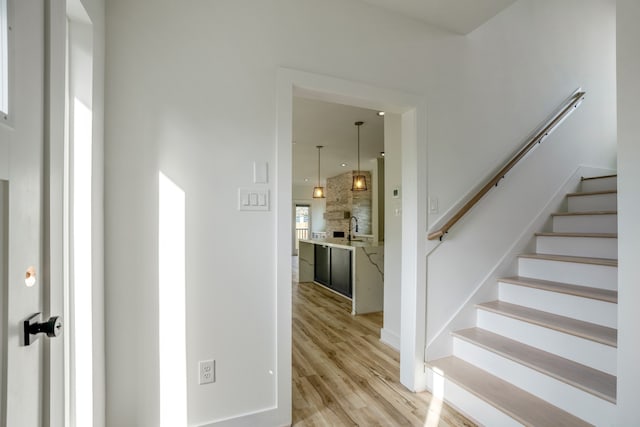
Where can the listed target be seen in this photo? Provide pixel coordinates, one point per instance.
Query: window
(4, 54)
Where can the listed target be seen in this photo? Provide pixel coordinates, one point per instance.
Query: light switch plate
(253, 199)
(433, 205)
(260, 172)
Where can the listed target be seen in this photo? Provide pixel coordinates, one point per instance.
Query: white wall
(628, 34)
(390, 332)
(191, 93)
(514, 71)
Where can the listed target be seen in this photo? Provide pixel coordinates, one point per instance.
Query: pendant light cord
(358, 150)
(319, 166)
(358, 124)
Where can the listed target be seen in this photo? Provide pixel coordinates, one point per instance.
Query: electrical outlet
(207, 371)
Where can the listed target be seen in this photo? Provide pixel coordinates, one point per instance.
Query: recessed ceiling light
(306, 180)
(382, 154)
(344, 165)
(381, 113)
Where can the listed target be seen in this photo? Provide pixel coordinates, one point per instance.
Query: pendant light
(359, 181)
(318, 191)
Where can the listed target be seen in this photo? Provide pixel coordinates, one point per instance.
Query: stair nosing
(604, 295)
(504, 385)
(585, 213)
(571, 234)
(607, 262)
(552, 321)
(589, 178)
(569, 365)
(591, 193)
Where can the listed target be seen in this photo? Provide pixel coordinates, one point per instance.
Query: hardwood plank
(344, 376)
(517, 403)
(592, 381)
(590, 331)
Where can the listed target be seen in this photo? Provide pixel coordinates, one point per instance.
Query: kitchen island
(354, 269)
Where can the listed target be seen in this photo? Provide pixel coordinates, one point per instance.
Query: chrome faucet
(355, 229)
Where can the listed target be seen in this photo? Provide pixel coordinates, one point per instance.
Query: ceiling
(458, 16)
(332, 125)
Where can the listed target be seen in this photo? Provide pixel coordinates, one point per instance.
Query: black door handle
(32, 326)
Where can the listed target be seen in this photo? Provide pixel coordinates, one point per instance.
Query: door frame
(412, 109)
(54, 196)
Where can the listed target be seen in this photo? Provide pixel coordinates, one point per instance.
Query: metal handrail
(562, 113)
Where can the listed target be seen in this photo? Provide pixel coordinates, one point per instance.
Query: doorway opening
(336, 299)
(411, 300)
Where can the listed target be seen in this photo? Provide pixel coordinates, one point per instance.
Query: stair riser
(585, 309)
(598, 356)
(601, 184)
(586, 224)
(571, 399)
(596, 202)
(596, 276)
(467, 403)
(595, 247)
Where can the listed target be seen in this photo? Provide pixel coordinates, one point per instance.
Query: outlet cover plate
(207, 371)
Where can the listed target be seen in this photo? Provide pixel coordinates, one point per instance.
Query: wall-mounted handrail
(558, 117)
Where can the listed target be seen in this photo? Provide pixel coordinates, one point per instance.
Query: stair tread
(591, 193)
(598, 177)
(578, 259)
(517, 403)
(591, 331)
(590, 380)
(564, 288)
(585, 213)
(564, 234)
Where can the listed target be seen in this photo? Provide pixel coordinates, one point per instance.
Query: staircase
(544, 354)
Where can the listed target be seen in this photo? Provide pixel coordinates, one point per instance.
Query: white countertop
(343, 243)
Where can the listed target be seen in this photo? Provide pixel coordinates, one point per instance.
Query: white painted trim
(414, 183)
(390, 338)
(264, 417)
(54, 174)
(413, 301)
(282, 205)
(4, 263)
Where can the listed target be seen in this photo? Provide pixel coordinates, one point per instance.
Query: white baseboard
(390, 338)
(270, 416)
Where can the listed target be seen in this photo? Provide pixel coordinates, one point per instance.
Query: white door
(32, 374)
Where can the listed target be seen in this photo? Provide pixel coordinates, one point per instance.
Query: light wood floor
(344, 376)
